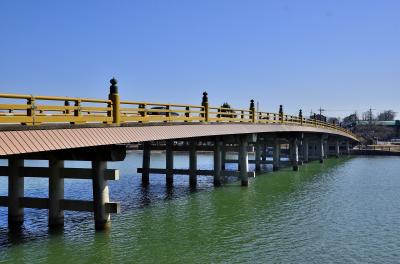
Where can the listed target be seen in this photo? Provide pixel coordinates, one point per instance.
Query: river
(346, 210)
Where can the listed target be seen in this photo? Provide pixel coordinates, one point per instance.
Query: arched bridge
(97, 130)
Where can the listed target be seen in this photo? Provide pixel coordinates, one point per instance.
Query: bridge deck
(48, 139)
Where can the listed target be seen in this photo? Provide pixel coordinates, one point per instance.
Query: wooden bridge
(65, 128)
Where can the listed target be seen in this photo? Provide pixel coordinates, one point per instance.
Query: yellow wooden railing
(37, 110)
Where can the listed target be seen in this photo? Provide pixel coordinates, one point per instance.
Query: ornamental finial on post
(205, 98)
(113, 86)
(114, 98)
(251, 104)
(204, 103)
(252, 111)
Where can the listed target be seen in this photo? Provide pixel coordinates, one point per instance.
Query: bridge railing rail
(37, 110)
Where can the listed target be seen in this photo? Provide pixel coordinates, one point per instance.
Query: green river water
(346, 210)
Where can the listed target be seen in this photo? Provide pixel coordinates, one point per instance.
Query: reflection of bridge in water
(63, 128)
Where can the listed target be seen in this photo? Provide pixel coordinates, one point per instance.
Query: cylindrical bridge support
(337, 148)
(321, 150)
(294, 146)
(217, 162)
(264, 152)
(169, 162)
(56, 193)
(305, 150)
(146, 163)
(326, 149)
(223, 157)
(258, 156)
(276, 155)
(192, 163)
(243, 161)
(15, 192)
(100, 195)
(347, 147)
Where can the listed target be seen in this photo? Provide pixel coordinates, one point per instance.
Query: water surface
(344, 211)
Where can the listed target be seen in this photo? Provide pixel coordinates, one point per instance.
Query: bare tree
(387, 115)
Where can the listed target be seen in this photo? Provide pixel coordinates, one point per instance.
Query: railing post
(301, 117)
(187, 113)
(31, 109)
(204, 103)
(66, 111)
(253, 111)
(114, 97)
(167, 114)
(281, 113)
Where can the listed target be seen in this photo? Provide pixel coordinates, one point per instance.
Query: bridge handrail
(87, 110)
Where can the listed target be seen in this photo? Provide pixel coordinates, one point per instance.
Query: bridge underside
(33, 140)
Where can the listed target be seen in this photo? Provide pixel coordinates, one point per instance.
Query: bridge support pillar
(56, 193)
(100, 195)
(264, 152)
(169, 163)
(347, 147)
(337, 148)
(15, 192)
(223, 156)
(305, 150)
(277, 155)
(258, 156)
(146, 163)
(294, 147)
(326, 149)
(192, 164)
(243, 161)
(321, 150)
(217, 162)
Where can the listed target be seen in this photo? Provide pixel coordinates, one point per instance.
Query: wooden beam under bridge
(198, 172)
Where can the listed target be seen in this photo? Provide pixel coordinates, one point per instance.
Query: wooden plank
(67, 173)
(32, 202)
(3, 201)
(198, 172)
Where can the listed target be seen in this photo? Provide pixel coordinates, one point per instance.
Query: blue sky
(340, 55)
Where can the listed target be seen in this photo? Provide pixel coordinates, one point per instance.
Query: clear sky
(338, 54)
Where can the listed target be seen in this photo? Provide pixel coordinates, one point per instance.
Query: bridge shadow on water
(135, 197)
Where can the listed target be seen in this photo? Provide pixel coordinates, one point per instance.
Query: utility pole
(370, 115)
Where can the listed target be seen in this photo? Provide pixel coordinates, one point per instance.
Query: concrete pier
(305, 150)
(276, 155)
(264, 152)
(192, 163)
(217, 162)
(169, 162)
(223, 157)
(243, 161)
(15, 192)
(321, 150)
(56, 193)
(146, 163)
(100, 195)
(326, 149)
(295, 154)
(258, 156)
(337, 148)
